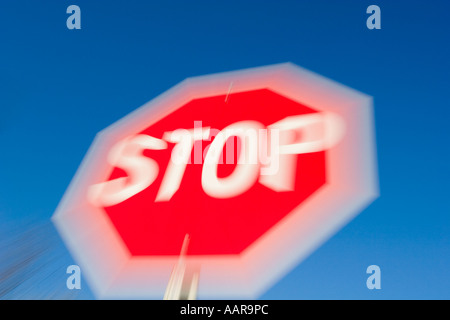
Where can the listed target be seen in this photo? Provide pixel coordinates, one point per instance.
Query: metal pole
(183, 282)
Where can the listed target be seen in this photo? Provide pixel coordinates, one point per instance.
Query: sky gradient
(59, 87)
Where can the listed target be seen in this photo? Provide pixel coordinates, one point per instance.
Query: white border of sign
(352, 184)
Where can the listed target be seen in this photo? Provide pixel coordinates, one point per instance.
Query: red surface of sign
(215, 226)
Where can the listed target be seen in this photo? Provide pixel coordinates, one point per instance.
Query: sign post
(183, 282)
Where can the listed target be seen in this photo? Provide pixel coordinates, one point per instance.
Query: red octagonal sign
(258, 167)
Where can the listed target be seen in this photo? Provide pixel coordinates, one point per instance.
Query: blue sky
(59, 87)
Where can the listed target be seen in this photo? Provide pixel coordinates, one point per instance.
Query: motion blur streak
(30, 263)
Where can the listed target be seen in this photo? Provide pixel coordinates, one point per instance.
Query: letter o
(247, 169)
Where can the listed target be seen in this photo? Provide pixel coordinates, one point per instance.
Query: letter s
(142, 171)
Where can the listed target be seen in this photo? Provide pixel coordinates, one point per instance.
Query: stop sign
(257, 166)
